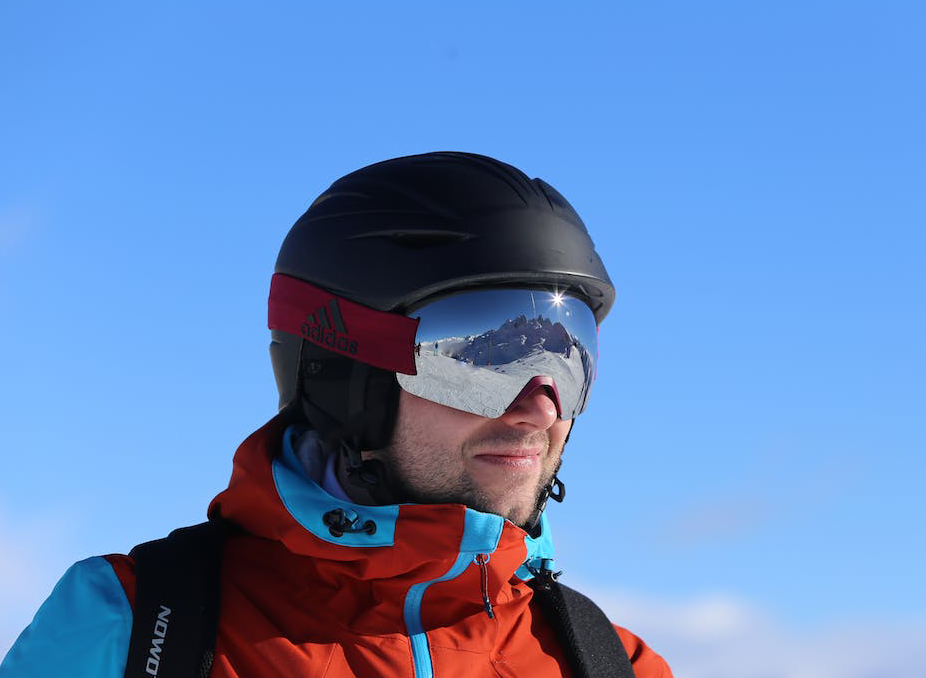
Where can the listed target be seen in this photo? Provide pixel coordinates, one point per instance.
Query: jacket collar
(272, 496)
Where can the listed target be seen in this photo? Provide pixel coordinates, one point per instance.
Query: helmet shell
(397, 233)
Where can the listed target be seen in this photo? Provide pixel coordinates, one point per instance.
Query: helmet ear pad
(347, 400)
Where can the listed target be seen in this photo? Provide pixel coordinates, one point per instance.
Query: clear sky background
(745, 490)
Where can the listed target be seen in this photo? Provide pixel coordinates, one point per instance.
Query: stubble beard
(428, 483)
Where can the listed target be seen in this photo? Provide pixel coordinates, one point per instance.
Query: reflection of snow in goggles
(481, 351)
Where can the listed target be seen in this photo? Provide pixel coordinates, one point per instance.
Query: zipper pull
(481, 560)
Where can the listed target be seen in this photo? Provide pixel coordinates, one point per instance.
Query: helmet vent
(417, 239)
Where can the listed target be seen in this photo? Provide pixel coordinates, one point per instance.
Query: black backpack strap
(176, 610)
(592, 646)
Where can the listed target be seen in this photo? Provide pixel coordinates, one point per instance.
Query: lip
(507, 461)
(517, 452)
(514, 458)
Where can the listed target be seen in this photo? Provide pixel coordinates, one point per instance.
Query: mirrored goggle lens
(476, 351)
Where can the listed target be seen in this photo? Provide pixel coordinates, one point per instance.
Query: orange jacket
(404, 601)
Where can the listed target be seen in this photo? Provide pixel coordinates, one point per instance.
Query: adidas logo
(317, 327)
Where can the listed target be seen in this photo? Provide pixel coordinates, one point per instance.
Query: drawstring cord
(340, 523)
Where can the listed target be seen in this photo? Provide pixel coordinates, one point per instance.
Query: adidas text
(329, 338)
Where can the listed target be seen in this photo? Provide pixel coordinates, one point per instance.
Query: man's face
(442, 455)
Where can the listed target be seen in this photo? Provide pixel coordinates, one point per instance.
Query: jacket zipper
(421, 656)
(481, 560)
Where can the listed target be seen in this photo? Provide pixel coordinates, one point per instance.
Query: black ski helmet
(403, 231)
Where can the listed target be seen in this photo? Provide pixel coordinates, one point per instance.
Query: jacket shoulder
(646, 663)
(81, 630)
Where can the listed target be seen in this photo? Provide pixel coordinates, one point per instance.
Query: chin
(519, 507)
(520, 516)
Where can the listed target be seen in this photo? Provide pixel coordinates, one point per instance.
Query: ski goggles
(479, 351)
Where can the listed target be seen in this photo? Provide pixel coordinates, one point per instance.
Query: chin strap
(369, 475)
(555, 490)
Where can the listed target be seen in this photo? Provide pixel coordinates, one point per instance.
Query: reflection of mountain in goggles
(477, 351)
(480, 351)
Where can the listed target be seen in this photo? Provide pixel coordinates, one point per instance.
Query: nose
(535, 410)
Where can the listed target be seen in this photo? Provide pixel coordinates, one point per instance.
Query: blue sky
(745, 489)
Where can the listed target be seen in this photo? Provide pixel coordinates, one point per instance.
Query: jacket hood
(271, 496)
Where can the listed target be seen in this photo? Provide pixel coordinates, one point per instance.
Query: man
(434, 335)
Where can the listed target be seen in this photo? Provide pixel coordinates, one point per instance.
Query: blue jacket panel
(81, 631)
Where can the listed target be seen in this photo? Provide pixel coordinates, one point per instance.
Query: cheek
(559, 432)
(426, 433)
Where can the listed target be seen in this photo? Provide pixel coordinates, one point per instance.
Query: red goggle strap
(385, 340)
